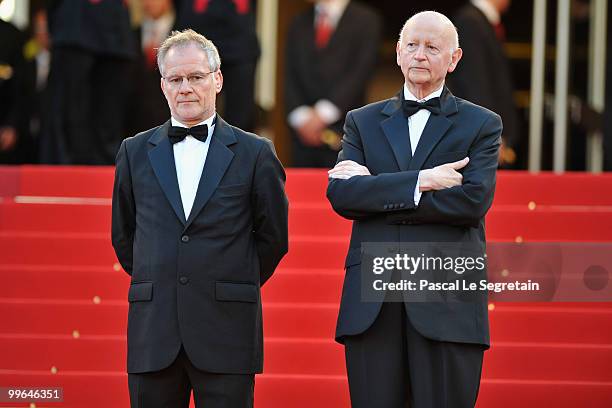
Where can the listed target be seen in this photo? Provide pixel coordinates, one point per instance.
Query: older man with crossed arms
(419, 167)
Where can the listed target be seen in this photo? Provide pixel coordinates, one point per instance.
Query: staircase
(63, 298)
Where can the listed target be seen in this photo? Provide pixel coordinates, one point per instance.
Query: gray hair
(186, 38)
(443, 19)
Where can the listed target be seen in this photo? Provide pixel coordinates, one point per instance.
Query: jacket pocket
(140, 291)
(236, 292)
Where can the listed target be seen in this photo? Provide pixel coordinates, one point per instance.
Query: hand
(347, 169)
(8, 138)
(310, 132)
(443, 176)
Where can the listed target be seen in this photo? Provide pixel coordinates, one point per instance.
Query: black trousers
(172, 386)
(391, 365)
(87, 102)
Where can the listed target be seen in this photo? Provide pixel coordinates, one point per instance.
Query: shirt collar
(333, 8)
(408, 96)
(488, 10)
(209, 122)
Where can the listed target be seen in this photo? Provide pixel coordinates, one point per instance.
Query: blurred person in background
(148, 107)
(92, 50)
(483, 77)
(13, 120)
(230, 24)
(331, 54)
(38, 58)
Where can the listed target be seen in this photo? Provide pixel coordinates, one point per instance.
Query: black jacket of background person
(196, 282)
(147, 105)
(340, 71)
(101, 27)
(382, 205)
(483, 75)
(12, 83)
(230, 29)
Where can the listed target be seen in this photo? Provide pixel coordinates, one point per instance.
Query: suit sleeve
(467, 204)
(123, 222)
(362, 196)
(270, 211)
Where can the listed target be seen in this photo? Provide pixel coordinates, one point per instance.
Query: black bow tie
(178, 133)
(412, 107)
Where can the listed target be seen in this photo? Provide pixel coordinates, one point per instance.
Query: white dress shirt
(189, 158)
(416, 124)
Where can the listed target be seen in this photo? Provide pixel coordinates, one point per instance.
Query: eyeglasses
(194, 80)
(428, 49)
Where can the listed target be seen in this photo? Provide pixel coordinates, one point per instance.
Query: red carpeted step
(527, 361)
(313, 320)
(96, 250)
(555, 223)
(280, 391)
(309, 185)
(84, 283)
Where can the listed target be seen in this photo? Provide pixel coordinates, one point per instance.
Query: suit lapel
(161, 158)
(435, 129)
(217, 161)
(395, 128)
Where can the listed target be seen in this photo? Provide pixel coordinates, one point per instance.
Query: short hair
(186, 38)
(445, 20)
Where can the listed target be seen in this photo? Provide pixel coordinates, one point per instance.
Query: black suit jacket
(100, 27)
(339, 72)
(230, 29)
(196, 281)
(483, 74)
(382, 205)
(147, 105)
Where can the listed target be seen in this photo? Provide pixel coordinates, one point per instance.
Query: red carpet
(63, 301)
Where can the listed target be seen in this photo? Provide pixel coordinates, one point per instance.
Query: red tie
(323, 30)
(500, 31)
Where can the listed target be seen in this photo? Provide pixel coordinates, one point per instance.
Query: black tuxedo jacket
(196, 281)
(100, 27)
(483, 75)
(339, 72)
(231, 29)
(382, 205)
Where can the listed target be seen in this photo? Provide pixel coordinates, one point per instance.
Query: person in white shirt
(199, 222)
(416, 168)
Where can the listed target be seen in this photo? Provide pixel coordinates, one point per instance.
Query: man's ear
(455, 59)
(218, 80)
(397, 53)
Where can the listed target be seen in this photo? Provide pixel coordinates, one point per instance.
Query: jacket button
(403, 222)
(395, 205)
(184, 280)
(185, 238)
(386, 207)
(402, 205)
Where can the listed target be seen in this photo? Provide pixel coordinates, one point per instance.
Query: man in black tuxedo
(419, 167)
(484, 75)
(331, 54)
(92, 49)
(200, 223)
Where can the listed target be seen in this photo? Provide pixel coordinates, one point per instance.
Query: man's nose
(420, 52)
(185, 86)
